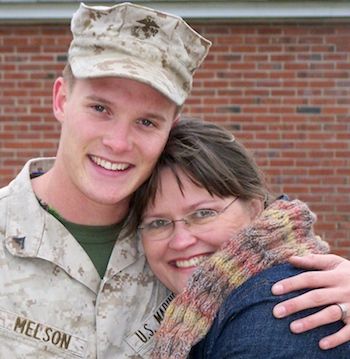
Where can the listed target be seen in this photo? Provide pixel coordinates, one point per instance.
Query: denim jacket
(245, 328)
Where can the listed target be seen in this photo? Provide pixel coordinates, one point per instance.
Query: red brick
(265, 70)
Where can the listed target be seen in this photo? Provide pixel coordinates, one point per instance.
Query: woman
(206, 215)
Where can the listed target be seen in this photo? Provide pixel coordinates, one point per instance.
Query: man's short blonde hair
(68, 76)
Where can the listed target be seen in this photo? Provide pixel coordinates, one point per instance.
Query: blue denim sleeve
(246, 329)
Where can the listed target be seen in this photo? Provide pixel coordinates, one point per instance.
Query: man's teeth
(193, 262)
(111, 166)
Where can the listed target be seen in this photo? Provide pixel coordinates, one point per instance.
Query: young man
(72, 285)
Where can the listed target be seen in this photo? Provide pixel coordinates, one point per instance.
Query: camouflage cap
(139, 43)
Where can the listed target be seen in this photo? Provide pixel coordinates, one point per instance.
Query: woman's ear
(59, 98)
(256, 206)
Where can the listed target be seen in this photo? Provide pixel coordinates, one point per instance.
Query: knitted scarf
(285, 228)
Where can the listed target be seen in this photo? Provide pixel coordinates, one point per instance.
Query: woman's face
(175, 252)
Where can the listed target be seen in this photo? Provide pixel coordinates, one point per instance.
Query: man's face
(113, 131)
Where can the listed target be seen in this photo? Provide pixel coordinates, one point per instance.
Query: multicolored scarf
(282, 230)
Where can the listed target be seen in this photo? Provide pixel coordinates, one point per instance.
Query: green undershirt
(97, 241)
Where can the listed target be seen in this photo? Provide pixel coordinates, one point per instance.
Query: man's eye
(99, 108)
(146, 122)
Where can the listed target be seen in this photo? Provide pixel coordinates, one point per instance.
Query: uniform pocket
(24, 338)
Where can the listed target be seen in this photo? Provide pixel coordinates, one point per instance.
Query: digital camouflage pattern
(53, 303)
(139, 43)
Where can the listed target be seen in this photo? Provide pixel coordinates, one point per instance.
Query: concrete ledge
(53, 11)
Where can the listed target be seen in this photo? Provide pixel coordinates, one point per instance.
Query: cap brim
(131, 68)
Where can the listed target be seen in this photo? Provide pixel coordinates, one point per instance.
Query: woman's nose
(182, 237)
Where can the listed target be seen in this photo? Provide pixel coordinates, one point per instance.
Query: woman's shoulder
(257, 289)
(245, 327)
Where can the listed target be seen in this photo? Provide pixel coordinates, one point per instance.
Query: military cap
(139, 43)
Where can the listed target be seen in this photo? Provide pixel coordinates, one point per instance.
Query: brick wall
(283, 88)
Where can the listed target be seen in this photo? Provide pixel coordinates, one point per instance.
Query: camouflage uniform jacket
(53, 303)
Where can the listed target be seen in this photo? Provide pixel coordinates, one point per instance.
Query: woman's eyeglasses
(198, 221)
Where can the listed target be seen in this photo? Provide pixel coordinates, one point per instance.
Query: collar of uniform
(126, 251)
(32, 232)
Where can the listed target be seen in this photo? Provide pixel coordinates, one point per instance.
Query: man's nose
(119, 137)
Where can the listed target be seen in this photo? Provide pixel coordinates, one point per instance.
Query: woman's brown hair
(211, 157)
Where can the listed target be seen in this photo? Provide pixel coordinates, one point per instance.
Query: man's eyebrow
(150, 115)
(99, 99)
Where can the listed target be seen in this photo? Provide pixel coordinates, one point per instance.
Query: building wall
(282, 88)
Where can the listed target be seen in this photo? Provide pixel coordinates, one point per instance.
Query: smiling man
(73, 285)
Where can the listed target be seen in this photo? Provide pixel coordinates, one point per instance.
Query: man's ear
(59, 98)
(176, 120)
(177, 115)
